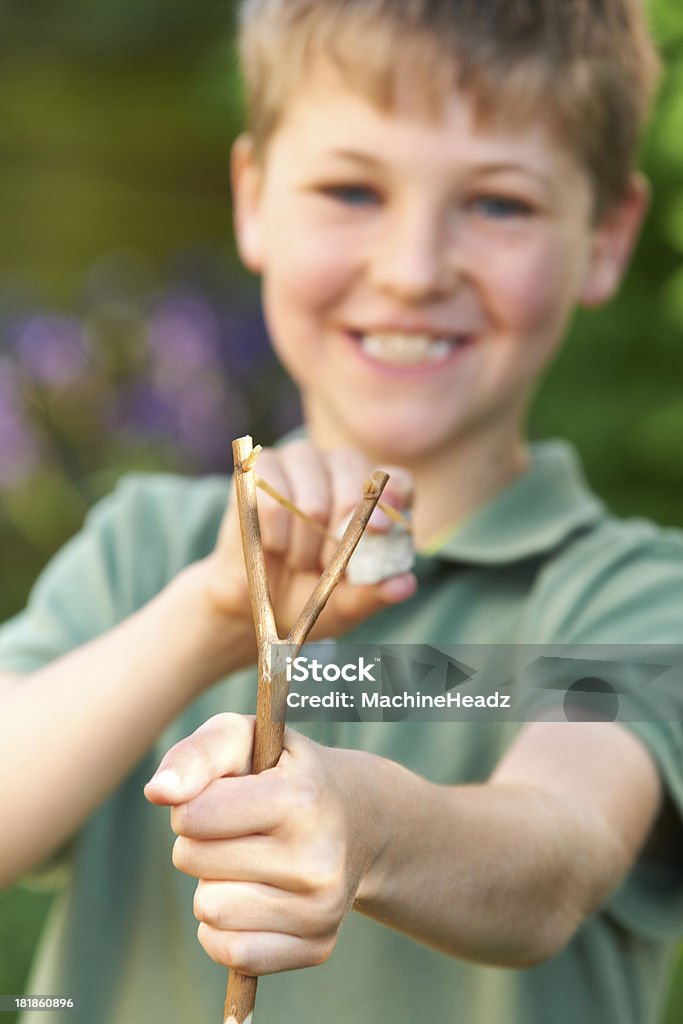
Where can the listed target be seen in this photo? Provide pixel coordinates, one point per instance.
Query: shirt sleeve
(131, 544)
(80, 594)
(619, 595)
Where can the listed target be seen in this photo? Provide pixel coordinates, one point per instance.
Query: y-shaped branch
(271, 699)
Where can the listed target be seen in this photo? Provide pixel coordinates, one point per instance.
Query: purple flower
(141, 408)
(19, 450)
(183, 331)
(207, 414)
(52, 349)
(245, 342)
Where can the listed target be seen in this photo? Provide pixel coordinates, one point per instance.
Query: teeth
(407, 349)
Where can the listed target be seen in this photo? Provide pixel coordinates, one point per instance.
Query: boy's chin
(403, 443)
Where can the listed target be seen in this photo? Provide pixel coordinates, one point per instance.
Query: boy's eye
(351, 195)
(501, 207)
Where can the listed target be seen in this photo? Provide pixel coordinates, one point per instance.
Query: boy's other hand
(280, 855)
(326, 485)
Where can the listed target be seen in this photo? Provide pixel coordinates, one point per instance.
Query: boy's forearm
(71, 731)
(493, 873)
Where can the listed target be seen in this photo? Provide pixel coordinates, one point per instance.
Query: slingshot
(272, 690)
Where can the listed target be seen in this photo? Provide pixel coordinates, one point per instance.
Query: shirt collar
(530, 517)
(533, 515)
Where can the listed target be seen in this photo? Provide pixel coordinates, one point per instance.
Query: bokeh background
(130, 338)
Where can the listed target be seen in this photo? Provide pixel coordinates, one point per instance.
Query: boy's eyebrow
(486, 168)
(510, 165)
(358, 155)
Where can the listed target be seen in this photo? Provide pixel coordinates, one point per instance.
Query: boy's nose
(415, 260)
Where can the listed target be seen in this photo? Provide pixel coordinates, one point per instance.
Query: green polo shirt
(544, 562)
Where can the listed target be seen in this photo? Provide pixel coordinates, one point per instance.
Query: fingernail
(168, 781)
(379, 520)
(399, 588)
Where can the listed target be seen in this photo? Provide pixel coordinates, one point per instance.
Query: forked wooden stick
(271, 699)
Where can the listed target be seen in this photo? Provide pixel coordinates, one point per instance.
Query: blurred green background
(131, 338)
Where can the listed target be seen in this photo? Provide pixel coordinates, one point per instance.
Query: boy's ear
(614, 240)
(245, 174)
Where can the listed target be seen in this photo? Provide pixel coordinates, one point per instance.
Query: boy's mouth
(402, 349)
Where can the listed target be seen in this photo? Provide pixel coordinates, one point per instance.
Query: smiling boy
(424, 227)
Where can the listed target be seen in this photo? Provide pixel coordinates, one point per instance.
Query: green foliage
(22, 914)
(140, 26)
(615, 388)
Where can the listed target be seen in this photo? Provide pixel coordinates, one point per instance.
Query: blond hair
(586, 68)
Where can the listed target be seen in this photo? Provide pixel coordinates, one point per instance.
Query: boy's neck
(451, 486)
(452, 482)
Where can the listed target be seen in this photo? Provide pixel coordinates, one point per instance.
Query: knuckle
(199, 904)
(301, 559)
(209, 941)
(322, 872)
(301, 802)
(337, 902)
(243, 726)
(204, 906)
(179, 856)
(400, 482)
(237, 953)
(326, 912)
(322, 950)
(315, 508)
(181, 819)
(273, 520)
(218, 730)
(227, 723)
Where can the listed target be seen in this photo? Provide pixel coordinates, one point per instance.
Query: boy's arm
(70, 732)
(518, 863)
(500, 873)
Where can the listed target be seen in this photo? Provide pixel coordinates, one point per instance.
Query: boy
(427, 193)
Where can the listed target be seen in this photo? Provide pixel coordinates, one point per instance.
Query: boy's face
(417, 275)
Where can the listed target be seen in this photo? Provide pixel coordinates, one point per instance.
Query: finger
(245, 859)
(229, 538)
(221, 746)
(274, 520)
(310, 487)
(399, 491)
(257, 953)
(347, 470)
(249, 906)
(232, 807)
(351, 604)
(255, 858)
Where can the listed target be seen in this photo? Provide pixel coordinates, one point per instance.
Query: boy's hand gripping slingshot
(272, 692)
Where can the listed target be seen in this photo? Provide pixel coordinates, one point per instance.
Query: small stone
(380, 555)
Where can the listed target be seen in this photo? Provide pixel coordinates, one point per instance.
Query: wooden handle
(240, 999)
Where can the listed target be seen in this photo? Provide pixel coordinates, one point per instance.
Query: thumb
(221, 746)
